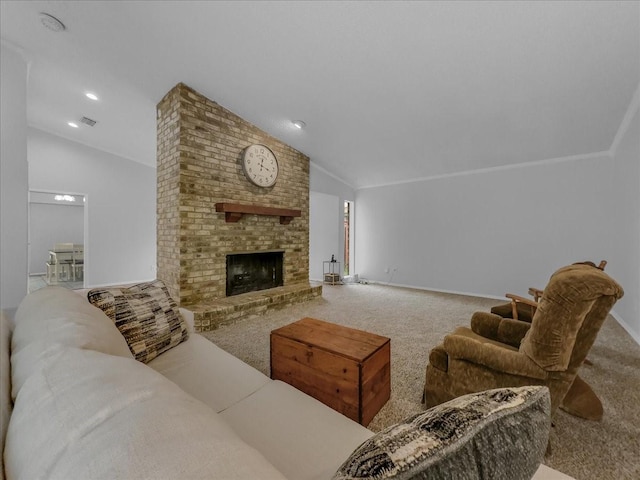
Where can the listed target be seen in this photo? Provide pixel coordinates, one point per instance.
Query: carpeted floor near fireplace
(417, 320)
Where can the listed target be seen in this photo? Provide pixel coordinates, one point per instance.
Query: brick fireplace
(199, 148)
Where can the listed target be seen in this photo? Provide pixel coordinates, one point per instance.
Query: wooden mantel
(234, 211)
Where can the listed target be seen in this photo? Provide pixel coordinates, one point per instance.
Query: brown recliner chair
(520, 308)
(566, 322)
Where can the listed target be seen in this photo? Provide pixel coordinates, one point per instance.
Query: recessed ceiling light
(92, 96)
(299, 124)
(72, 124)
(51, 22)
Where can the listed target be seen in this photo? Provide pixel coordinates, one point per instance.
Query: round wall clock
(260, 165)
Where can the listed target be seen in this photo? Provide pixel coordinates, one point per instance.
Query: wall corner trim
(633, 107)
(332, 175)
(534, 163)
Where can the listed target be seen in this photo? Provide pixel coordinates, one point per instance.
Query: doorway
(56, 218)
(348, 239)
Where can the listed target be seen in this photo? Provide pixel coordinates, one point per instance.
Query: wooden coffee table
(347, 369)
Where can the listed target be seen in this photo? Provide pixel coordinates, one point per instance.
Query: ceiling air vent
(88, 121)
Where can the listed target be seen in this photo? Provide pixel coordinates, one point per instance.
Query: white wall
(487, 233)
(120, 205)
(13, 178)
(50, 224)
(506, 229)
(322, 182)
(324, 232)
(625, 212)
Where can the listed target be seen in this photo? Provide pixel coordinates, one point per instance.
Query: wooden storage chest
(347, 369)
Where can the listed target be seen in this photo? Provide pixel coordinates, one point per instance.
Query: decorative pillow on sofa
(496, 434)
(145, 314)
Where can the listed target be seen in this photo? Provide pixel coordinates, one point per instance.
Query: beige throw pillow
(145, 314)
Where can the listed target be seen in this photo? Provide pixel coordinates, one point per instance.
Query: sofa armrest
(490, 355)
(495, 327)
(188, 318)
(6, 404)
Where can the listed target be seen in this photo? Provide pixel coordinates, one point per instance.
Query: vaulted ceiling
(389, 91)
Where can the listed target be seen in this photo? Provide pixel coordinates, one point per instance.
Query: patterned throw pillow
(145, 314)
(496, 434)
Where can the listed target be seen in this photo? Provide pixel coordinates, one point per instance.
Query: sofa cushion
(87, 415)
(497, 434)
(207, 372)
(300, 436)
(53, 317)
(145, 314)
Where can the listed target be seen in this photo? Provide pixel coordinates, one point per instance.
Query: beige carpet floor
(417, 320)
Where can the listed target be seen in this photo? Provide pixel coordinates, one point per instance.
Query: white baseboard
(438, 290)
(624, 325)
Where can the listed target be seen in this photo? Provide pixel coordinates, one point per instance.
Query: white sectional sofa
(84, 408)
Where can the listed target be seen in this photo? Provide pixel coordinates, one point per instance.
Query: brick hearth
(223, 312)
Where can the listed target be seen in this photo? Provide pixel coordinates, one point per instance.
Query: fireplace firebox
(250, 272)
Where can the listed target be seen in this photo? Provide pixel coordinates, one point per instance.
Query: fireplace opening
(250, 272)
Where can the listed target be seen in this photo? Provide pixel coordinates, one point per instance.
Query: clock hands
(262, 167)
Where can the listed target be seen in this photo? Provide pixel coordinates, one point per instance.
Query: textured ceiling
(390, 91)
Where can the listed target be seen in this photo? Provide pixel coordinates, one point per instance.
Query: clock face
(260, 165)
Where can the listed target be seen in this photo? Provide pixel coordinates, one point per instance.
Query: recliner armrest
(495, 327)
(461, 346)
(438, 358)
